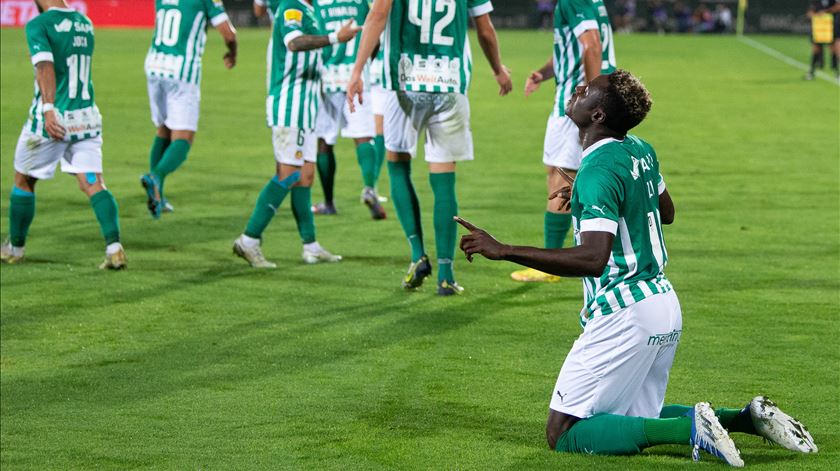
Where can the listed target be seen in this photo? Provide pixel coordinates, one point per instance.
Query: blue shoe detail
(153, 202)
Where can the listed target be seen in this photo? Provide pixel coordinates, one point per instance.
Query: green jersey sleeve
(39, 46)
(599, 193)
(215, 10)
(479, 7)
(289, 22)
(581, 15)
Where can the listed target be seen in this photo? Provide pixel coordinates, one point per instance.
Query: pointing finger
(468, 225)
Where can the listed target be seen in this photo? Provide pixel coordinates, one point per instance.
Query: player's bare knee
(323, 147)
(25, 182)
(361, 140)
(163, 132)
(90, 183)
(557, 424)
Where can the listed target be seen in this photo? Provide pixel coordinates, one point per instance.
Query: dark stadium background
(770, 16)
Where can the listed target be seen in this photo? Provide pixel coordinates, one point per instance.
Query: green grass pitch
(192, 360)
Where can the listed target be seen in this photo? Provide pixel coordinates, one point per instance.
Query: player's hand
(504, 81)
(565, 193)
(54, 129)
(355, 91)
(348, 31)
(230, 60)
(478, 241)
(532, 84)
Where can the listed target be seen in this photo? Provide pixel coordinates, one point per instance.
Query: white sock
(111, 249)
(249, 242)
(312, 247)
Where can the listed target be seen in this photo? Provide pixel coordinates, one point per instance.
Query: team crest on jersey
(65, 26)
(299, 154)
(293, 17)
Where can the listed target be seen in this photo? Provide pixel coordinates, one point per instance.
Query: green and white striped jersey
(295, 82)
(339, 58)
(571, 19)
(180, 35)
(426, 45)
(617, 190)
(271, 7)
(65, 37)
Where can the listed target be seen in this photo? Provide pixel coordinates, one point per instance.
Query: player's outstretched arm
(489, 42)
(591, 42)
(228, 33)
(587, 259)
(374, 25)
(45, 76)
(307, 42)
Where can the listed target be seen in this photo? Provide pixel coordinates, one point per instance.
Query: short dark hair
(626, 102)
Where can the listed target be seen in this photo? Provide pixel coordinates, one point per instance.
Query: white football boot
(708, 434)
(779, 428)
(114, 258)
(314, 253)
(10, 254)
(251, 253)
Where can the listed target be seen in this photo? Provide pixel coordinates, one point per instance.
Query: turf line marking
(786, 59)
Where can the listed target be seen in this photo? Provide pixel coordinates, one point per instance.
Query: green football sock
(270, 199)
(302, 209)
(556, 226)
(407, 206)
(379, 144)
(446, 230)
(21, 213)
(326, 172)
(675, 431)
(366, 155)
(159, 146)
(173, 157)
(105, 207)
(605, 434)
(734, 420)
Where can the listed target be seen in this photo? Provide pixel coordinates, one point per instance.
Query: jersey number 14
(78, 69)
(423, 19)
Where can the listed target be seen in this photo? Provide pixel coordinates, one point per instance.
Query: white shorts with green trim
(562, 143)
(334, 115)
(175, 104)
(37, 156)
(444, 117)
(621, 362)
(294, 146)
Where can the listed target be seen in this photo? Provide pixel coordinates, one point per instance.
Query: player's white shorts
(445, 118)
(378, 99)
(294, 146)
(334, 115)
(37, 156)
(174, 104)
(620, 364)
(562, 143)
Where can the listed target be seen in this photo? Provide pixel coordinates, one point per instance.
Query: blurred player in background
(64, 125)
(583, 49)
(266, 7)
(291, 108)
(378, 98)
(334, 114)
(825, 24)
(173, 75)
(609, 395)
(428, 65)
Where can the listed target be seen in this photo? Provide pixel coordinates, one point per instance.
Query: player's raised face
(584, 107)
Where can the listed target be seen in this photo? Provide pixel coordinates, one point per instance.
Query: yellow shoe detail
(532, 275)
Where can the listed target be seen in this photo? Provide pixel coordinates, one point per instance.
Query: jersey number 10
(429, 34)
(167, 27)
(78, 69)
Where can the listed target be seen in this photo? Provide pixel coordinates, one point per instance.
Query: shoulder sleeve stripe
(482, 9)
(219, 19)
(661, 185)
(585, 26)
(42, 56)
(599, 225)
(259, 2)
(291, 35)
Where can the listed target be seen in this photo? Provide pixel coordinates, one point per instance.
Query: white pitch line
(786, 59)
